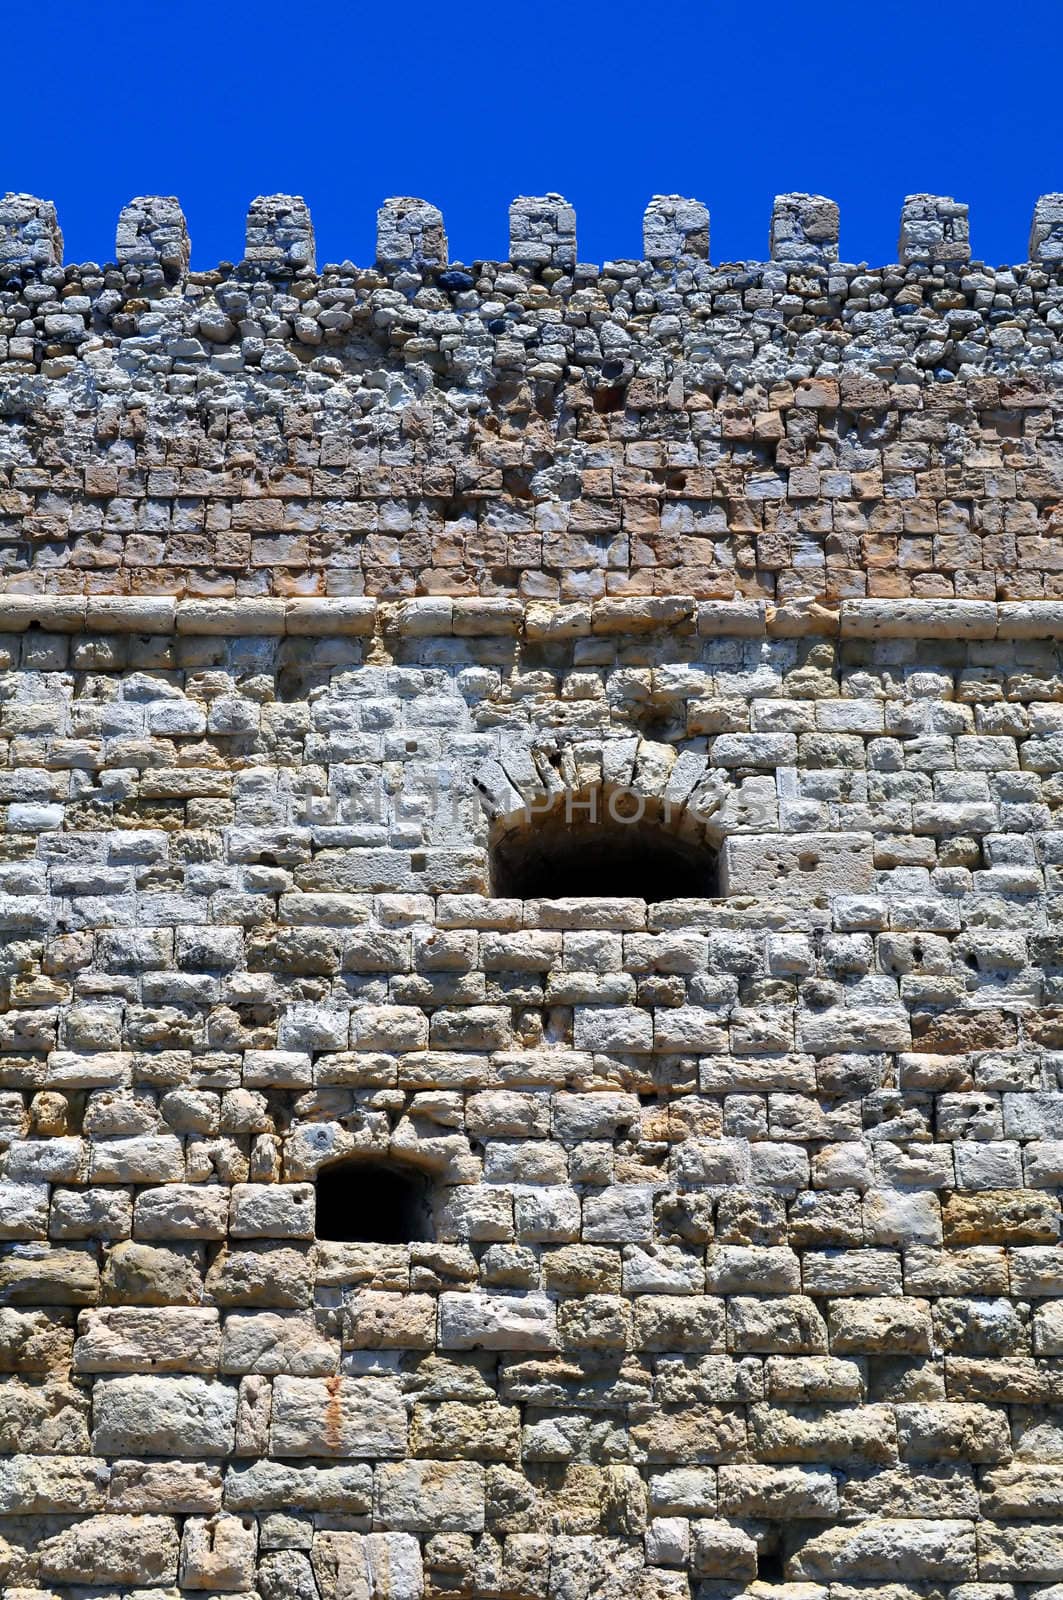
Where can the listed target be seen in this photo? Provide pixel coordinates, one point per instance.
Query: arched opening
(372, 1202)
(602, 844)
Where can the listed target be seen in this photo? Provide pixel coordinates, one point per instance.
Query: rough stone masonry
(325, 595)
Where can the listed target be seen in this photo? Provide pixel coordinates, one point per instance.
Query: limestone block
(665, 1322)
(113, 1549)
(152, 232)
(1048, 1328)
(722, 1551)
(890, 1550)
(351, 1417)
(269, 1276)
(39, 1274)
(820, 1435)
(933, 228)
(1027, 1553)
(1046, 230)
(23, 1210)
(430, 1496)
(1028, 1489)
(163, 1417)
(219, 1553)
(388, 1028)
(272, 1211)
(804, 227)
(788, 866)
(145, 1158)
(33, 1341)
(542, 232)
(786, 1323)
(950, 1431)
(280, 235)
(29, 233)
(382, 1320)
(620, 1215)
(43, 1418)
(273, 1342)
(684, 1491)
(497, 1322)
(783, 1492)
(152, 1275)
(410, 235)
(180, 1487)
(36, 1485)
(873, 1326)
(181, 1211)
(675, 229)
(613, 1028)
(668, 1542)
(270, 1485)
(376, 1566)
(157, 1339)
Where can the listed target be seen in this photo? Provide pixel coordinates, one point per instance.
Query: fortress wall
(324, 597)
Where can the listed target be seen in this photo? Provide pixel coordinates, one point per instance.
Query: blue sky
(607, 101)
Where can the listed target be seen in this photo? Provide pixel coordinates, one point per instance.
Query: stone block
(478, 1321)
(808, 867)
(430, 1496)
(163, 1417)
(352, 1417)
(101, 1550)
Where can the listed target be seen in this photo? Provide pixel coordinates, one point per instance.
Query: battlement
(152, 234)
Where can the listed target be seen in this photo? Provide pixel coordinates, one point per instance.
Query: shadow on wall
(372, 1202)
(565, 853)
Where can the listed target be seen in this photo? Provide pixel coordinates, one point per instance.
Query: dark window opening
(372, 1202)
(600, 854)
(771, 1556)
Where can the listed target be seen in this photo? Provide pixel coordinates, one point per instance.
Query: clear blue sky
(607, 101)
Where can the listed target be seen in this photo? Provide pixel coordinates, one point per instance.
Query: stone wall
(540, 427)
(743, 1270)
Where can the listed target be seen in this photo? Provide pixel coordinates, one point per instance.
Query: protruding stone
(280, 235)
(804, 227)
(29, 233)
(934, 228)
(152, 232)
(542, 232)
(1046, 231)
(410, 234)
(675, 228)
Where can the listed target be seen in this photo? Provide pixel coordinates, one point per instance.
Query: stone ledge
(442, 617)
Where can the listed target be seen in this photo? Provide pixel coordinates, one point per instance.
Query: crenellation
(542, 232)
(934, 228)
(29, 233)
(675, 229)
(410, 234)
(280, 235)
(1046, 230)
(152, 232)
(529, 968)
(804, 228)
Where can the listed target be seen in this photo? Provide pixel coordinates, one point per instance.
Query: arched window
(372, 1202)
(602, 843)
